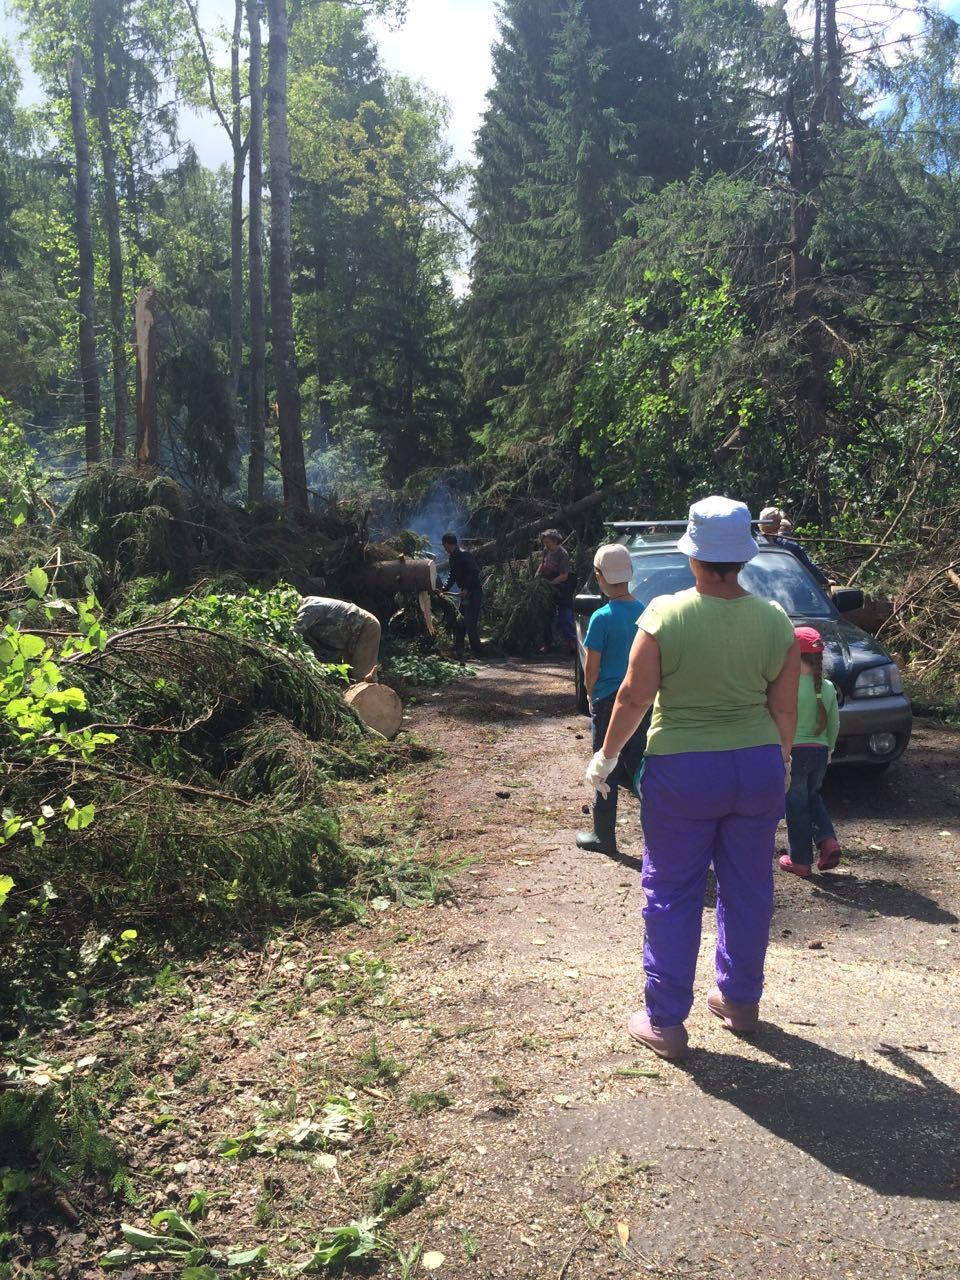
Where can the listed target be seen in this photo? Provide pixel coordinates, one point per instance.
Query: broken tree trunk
(111, 216)
(145, 325)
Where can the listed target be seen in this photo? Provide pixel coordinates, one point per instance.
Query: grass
(421, 1104)
(353, 980)
(398, 1191)
(379, 1068)
(186, 1070)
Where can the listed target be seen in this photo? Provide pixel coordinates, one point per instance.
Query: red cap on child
(810, 639)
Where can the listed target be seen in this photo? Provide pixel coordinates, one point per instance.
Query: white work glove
(598, 770)
(787, 773)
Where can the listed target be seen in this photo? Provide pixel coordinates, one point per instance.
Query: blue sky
(445, 44)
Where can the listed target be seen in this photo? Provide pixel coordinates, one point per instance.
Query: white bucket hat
(614, 562)
(718, 532)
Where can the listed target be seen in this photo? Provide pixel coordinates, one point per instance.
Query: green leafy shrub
(423, 669)
(265, 615)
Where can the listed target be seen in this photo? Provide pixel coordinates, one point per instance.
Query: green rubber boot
(603, 837)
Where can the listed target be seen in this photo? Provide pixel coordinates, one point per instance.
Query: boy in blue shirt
(609, 639)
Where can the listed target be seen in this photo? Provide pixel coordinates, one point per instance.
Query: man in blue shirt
(609, 639)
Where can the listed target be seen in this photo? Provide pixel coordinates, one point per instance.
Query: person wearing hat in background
(608, 641)
(555, 568)
(721, 667)
(818, 723)
(771, 525)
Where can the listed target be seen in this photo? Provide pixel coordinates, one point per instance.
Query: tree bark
(258, 331)
(805, 302)
(111, 216)
(233, 127)
(292, 465)
(145, 320)
(236, 209)
(87, 306)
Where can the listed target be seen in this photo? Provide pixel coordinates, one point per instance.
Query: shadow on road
(894, 1135)
(476, 700)
(885, 897)
(919, 787)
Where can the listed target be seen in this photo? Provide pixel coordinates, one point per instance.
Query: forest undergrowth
(172, 754)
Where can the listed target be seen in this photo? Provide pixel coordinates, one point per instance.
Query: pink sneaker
(667, 1042)
(744, 1018)
(829, 855)
(795, 868)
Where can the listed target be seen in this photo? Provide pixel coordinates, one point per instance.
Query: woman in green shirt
(721, 668)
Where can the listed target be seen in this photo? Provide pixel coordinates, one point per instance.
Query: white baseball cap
(614, 562)
(718, 532)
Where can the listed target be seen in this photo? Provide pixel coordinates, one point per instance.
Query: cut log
(389, 576)
(377, 706)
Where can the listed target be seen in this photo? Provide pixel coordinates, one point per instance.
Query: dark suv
(875, 716)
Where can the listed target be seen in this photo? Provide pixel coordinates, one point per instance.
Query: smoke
(441, 511)
(344, 471)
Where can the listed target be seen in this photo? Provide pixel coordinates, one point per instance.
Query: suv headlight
(878, 682)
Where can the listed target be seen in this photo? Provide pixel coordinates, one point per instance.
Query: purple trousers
(698, 808)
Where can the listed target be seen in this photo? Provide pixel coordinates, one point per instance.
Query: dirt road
(463, 1072)
(828, 1147)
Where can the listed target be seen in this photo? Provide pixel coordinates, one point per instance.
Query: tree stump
(377, 706)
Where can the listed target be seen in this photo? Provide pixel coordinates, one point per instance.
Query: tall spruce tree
(594, 103)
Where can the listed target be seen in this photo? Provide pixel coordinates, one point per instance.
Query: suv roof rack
(655, 524)
(645, 524)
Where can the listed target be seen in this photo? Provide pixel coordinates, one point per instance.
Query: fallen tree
(497, 547)
(178, 783)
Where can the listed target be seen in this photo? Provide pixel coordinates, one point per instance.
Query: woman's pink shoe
(829, 855)
(667, 1042)
(795, 868)
(744, 1018)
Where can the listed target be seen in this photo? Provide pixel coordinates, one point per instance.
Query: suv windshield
(774, 575)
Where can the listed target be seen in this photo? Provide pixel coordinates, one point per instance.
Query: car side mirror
(586, 604)
(847, 599)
